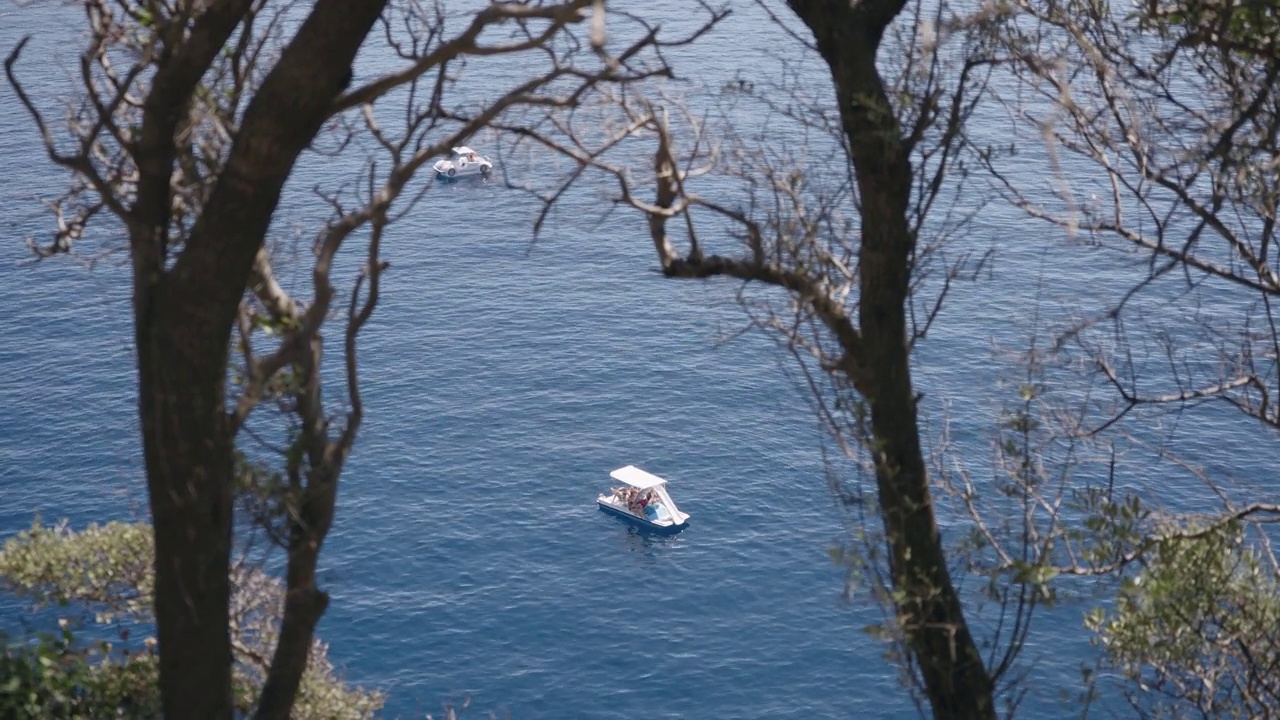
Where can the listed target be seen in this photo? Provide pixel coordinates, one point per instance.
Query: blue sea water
(503, 379)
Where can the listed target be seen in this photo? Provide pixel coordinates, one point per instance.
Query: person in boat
(634, 504)
(623, 496)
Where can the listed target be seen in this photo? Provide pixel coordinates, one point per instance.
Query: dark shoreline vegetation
(1154, 131)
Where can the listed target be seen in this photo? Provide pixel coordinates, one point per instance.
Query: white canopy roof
(464, 150)
(637, 478)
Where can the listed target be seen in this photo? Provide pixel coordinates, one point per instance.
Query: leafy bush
(57, 678)
(107, 570)
(1198, 628)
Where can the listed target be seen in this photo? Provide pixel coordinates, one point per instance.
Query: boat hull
(447, 170)
(444, 174)
(642, 522)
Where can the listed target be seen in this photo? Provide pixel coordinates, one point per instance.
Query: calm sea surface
(503, 381)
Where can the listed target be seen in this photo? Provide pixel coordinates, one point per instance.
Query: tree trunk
(188, 453)
(930, 613)
(309, 522)
(183, 322)
(186, 441)
(304, 601)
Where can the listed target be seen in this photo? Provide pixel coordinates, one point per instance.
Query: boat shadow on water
(649, 544)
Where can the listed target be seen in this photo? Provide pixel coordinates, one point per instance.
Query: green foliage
(1250, 28)
(1113, 528)
(107, 566)
(108, 571)
(1198, 627)
(56, 678)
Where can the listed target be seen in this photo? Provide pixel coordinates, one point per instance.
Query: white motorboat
(643, 500)
(464, 162)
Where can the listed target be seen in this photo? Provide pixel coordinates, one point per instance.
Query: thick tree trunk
(930, 612)
(185, 436)
(188, 453)
(183, 321)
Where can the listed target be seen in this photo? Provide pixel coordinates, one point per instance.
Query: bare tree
(188, 122)
(1163, 120)
(847, 283)
(1177, 109)
(846, 253)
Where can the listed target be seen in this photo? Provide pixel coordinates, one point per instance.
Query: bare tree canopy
(848, 259)
(189, 119)
(188, 122)
(1164, 119)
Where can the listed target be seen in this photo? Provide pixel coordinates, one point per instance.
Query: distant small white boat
(465, 161)
(643, 500)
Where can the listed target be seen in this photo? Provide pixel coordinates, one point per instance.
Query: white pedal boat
(644, 501)
(464, 162)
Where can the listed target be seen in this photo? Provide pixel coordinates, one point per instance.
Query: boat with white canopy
(465, 161)
(643, 499)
